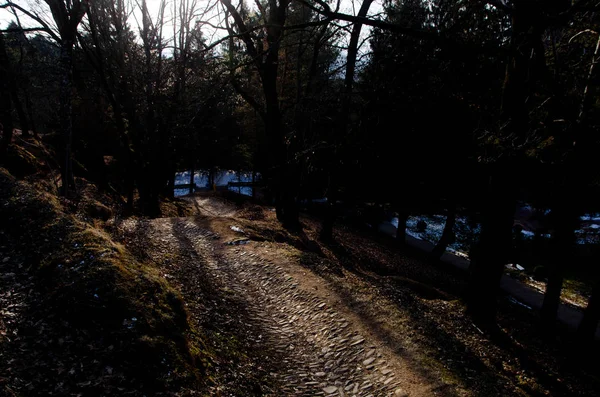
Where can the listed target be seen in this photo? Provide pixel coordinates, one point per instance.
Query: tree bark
(7, 123)
(447, 234)
(66, 112)
(253, 185)
(5, 102)
(170, 193)
(23, 121)
(565, 219)
(326, 233)
(29, 107)
(329, 219)
(282, 162)
(192, 178)
(524, 66)
(492, 251)
(401, 229)
(591, 316)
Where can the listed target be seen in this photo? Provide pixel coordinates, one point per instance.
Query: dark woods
(454, 107)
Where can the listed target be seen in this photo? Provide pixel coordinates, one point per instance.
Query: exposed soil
(219, 300)
(286, 315)
(297, 336)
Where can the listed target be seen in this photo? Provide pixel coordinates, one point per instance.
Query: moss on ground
(119, 312)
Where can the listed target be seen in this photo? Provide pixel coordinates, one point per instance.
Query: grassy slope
(94, 320)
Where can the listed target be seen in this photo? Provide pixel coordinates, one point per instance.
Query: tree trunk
(329, 219)
(66, 112)
(493, 249)
(170, 193)
(447, 234)
(192, 178)
(282, 171)
(326, 233)
(563, 242)
(492, 252)
(29, 107)
(7, 122)
(23, 122)
(9, 88)
(591, 316)
(129, 189)
(552, 295)
(253, 185)
(401, 229)
(5, 102)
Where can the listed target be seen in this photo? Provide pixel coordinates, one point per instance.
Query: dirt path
(304, 339)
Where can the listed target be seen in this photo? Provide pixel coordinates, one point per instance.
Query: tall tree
(265, 57)
(6, 118)
(343, 119)
(67, 15)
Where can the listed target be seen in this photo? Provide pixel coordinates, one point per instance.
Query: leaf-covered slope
(86, 316)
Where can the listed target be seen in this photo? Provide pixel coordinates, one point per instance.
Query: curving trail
(306, 340)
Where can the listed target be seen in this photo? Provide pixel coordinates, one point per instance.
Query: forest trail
(304, 338)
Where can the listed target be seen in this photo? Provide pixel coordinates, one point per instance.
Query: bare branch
(35, 17)
(245, 32)
(17, 30)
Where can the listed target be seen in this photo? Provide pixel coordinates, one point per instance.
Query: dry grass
(127, 329)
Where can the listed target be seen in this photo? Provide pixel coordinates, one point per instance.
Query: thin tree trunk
(563, 242)
(330, 213)
(591, 316)
(552, 295)
(192, 177)
(401, 229)
(253, 185)
(23, 122)
(7, 123)
(5, 102)
(329, 219)
(130, 188)
(170, 193)
(66, 112)
(447, 234)
(29, 107)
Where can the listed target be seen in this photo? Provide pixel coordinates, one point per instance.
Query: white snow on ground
(590, 217)
(465, 232)
(222, 178)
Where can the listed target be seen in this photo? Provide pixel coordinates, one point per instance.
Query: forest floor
(217, 299)
(288, 315)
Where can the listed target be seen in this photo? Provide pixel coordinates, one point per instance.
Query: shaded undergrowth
(88, 317)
